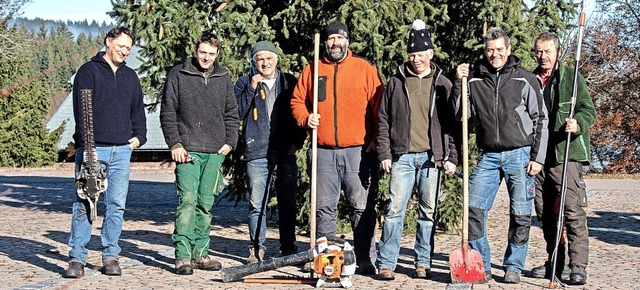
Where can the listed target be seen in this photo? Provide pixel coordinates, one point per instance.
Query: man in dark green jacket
(199, 118)
(557, 83)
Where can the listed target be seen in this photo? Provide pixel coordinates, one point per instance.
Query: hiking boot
(206, 263)
(423, 272)
(183, 267)
(578, 275)
(252, 256)
(286, 251)
(75, 270)
(366, 268)
(487, 276)
(544, 271)
(511, 277)
(386, 274)
(111, 268)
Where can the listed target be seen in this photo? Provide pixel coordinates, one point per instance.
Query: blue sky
(75, 10)
(96, 9)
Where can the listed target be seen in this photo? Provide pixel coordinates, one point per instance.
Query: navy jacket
(199, 113)
(267, 136)
(118, 107)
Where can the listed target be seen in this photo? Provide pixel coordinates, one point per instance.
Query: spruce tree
(379, 29)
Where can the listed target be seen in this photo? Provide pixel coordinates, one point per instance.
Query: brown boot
(75, 270)
(206, 263)
(385, 274)
(111, 268)
(183, 267)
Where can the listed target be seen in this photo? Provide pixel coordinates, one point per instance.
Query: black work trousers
(547, 200)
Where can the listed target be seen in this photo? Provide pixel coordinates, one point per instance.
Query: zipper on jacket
(495, 108)
(335, 101)
(204, 75)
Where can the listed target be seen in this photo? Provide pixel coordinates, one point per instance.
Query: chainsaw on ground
(333, 260)
(91, 175)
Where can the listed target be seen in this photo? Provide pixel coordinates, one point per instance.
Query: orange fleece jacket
(349, 111)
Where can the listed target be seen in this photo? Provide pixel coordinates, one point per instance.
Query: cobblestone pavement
(35, 208)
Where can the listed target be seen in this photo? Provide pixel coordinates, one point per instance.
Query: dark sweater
(118, 108)
(199, 113)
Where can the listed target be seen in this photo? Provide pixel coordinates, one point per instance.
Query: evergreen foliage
(379, 29)
(35, 68)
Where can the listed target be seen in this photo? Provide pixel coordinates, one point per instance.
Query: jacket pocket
(322, 88)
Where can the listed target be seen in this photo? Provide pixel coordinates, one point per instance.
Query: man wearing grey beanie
(270, 139)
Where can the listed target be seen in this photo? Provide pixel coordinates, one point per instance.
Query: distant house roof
(155, 138)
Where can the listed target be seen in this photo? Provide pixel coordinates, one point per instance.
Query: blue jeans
(285, 174)
(115, 197)
(410, 169)
(356, 171)
(483, 186)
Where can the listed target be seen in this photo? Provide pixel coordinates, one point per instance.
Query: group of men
(407, 128)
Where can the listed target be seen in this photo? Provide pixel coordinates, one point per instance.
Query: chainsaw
(91, 175)
(333, 260)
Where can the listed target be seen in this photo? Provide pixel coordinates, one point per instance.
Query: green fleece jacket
(557, 94)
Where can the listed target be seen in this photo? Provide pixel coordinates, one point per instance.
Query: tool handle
(465, 162)
(314, 143)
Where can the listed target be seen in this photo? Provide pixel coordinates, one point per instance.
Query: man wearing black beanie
(413, 143)
(348, 105)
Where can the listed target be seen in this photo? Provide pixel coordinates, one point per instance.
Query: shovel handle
(465, 163)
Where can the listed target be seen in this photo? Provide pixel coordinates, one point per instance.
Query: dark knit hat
(335, 27)
(263, 46)
(419, 37)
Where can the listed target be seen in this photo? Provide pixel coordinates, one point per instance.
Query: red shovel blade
(469, 270)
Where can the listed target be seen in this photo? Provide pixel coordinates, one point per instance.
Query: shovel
(465, 264)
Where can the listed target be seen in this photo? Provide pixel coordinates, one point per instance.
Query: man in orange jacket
(348, 98)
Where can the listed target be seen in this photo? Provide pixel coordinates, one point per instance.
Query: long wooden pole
(314, 144)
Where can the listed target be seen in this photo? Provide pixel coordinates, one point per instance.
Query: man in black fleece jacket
(199, 118)
(119, 126)
(511, 122)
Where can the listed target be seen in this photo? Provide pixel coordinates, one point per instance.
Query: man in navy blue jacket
(119, 126)
(270, 140)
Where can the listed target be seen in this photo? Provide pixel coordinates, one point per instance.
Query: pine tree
(379, 29)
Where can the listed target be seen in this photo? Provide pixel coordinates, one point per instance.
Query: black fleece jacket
(118, 107)
(199, 113)
(394, 118)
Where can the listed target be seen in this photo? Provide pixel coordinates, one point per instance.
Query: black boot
(578, 275)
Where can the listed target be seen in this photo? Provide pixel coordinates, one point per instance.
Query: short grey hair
(496, 33)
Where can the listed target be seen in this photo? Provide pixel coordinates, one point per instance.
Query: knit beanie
(335, 27)
(263, 46)
(419, 37)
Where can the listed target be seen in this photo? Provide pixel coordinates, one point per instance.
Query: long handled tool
(314, 143)
(465, 264)
(553, 280)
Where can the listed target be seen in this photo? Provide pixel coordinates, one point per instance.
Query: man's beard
(336, 56)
